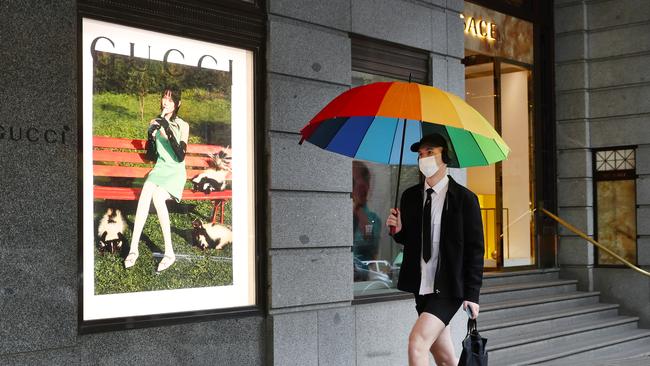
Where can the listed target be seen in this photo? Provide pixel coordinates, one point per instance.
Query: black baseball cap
(433, 140)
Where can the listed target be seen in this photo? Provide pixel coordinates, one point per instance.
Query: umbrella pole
(399, 168)
(399, 173)
(401, 155)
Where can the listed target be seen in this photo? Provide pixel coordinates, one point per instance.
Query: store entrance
(501, 90)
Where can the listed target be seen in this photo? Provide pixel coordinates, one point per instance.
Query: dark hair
(176, 97)
(362, 169)
(445, 155)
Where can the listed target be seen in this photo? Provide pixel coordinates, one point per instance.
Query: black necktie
(426, 227)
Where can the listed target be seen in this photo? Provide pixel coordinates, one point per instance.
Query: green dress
(169, 173)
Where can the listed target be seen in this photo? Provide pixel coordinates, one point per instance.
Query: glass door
(502, 92)
(479, 93)
(517, 172)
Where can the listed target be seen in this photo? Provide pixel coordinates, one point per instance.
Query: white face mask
(428, 166)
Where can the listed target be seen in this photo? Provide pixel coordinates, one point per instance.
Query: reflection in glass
(363, 78)
(377, 258)
(616, 200)
(366, 223)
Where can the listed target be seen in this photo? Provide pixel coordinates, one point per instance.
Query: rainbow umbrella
(373, 122)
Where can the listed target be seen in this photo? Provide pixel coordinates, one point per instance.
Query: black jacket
(460, 263)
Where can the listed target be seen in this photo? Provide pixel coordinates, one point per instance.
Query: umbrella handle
(392, 229)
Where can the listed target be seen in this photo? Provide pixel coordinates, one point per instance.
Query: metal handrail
(592, 241)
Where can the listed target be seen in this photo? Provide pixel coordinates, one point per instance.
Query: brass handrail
(592, 241)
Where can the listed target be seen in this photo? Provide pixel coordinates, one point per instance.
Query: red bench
(115, 157)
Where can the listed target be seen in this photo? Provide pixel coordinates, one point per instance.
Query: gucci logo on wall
(35, 134)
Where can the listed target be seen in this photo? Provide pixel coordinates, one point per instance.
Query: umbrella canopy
(367, 123)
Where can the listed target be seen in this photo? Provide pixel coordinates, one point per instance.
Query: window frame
(612, 175)
(231, 23)
(388, 59)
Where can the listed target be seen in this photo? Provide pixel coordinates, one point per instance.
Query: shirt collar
(439, 186)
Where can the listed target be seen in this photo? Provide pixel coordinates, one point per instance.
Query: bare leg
(424, 333)
(160, 197)
(443, 349)
(141, 213)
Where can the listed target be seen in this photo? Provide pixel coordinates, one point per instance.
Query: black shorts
(440, 307)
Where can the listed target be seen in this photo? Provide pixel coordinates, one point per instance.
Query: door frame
(481, 59)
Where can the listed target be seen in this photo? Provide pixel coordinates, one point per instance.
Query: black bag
(474, 353)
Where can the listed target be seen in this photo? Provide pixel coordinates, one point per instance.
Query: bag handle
(471, 326)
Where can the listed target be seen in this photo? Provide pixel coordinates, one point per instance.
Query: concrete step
(614, 360)
(545, 321)
(534, 317)
(533, 275)
(635, 361)
(515, 291)
(633, 352)
(642, 361)
(502, 310)
(513, 349)
(579, 347)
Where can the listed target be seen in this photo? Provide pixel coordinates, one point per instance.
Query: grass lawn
(118, 115)
(193, 267)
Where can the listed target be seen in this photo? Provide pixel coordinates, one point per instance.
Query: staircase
(534, 317)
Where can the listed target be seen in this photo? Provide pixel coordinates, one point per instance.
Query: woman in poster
(166, 145)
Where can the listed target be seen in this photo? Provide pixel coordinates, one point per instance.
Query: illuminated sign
(479, 28)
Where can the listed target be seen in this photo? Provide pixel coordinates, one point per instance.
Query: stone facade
(601, 52)
(309, 58)
(601, 55)
(311, 319)
(38, 239)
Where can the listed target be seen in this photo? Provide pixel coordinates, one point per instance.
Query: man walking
(439, 224)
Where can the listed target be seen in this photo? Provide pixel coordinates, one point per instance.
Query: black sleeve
(474, 249)
(401, 236)
(150, 145)
(179, 148)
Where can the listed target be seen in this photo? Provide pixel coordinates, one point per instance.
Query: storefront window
(377, 258)
(196, 250)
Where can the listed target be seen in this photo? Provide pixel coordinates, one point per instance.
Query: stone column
(574, 174)
(311, 321)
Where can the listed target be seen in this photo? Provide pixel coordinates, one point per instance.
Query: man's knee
(417, 344)
(443, 350)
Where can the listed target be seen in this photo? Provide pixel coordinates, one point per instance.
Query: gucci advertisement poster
(168, 174)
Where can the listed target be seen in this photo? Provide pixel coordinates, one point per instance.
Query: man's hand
(473, 307)
(395, 219)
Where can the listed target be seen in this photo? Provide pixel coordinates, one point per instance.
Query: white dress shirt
(428, 269)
